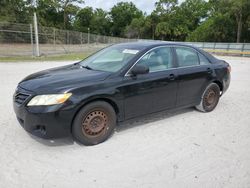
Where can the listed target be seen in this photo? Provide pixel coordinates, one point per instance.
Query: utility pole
(36, 30)
(31, 40)
(36, 35)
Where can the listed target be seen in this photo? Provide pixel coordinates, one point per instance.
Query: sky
(144, 5)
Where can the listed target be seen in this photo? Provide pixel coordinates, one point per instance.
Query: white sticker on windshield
(130, 51)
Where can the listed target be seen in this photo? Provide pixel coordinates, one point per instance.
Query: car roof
(150, 44)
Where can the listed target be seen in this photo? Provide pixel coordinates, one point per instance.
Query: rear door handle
(171, 77)
(209, 71)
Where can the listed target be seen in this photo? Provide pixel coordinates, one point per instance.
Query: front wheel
(94, 123)
(210, 98)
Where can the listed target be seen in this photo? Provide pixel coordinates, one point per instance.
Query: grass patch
(63, 57)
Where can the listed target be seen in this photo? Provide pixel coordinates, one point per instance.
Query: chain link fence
(242, 49)
(19, 40)
(15, 39)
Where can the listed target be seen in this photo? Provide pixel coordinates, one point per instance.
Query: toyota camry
(89, 98)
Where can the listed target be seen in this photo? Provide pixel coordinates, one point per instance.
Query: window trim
(175, 60)
(166, 46)
(190, 49)
(200, 54)
(195, 50)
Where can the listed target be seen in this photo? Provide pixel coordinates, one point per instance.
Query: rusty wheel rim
(210, 98)
(95, 123)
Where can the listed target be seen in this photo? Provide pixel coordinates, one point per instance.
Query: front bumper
(45, 121)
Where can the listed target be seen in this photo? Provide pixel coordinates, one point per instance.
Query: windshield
(110, 59)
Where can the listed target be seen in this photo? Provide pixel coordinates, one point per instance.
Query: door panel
(149, 93)
(191, 83)
(192, 76)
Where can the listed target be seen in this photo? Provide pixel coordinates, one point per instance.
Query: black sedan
(87, 99)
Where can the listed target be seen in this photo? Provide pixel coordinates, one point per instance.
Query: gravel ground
(178, 149)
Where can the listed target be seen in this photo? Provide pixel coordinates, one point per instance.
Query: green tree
(57, 13)
(151, 22)
(179, 20)
(212, 30)
(192, 20)
(100, 22)
(164, 7)
(69, 10)
(83, 19)
(226, 22)
(191, 13)
(121, 16)
(136, 28)
(48, 14)
(164, 10)
(241, 11)
(96, 20)
(15, 11)
(163, 30)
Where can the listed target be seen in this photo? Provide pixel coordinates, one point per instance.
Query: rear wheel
(94, 123)
(210, 98)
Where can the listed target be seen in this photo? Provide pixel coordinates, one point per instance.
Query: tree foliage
(96, 21)
(136, 28)
(190, 20)
(122, 15)
(225, 22)
(14, 11)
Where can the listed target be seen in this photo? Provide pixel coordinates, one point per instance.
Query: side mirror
(139, 69)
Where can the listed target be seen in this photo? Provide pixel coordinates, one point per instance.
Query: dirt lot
(179, 149)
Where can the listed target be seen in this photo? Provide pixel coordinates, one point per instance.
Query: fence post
(228, 46)
(242, 49)
(36, 35)
(81, 38)
(54, 33)
(203, 44)
(88, 35)
(31, 40)
(214, 46)
(67, 37)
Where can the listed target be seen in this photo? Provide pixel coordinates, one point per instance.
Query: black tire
(210, 98)
(94, 123)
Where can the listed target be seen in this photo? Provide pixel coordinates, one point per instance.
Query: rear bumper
(226, 83)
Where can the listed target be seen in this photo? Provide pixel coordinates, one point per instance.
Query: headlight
(44, 100)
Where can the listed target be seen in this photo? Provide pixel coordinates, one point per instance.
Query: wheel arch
(90, 100)
(219, 84)
(105, 99)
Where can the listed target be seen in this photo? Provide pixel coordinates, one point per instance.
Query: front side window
(158, 59)
(110, 59)
(186, 57)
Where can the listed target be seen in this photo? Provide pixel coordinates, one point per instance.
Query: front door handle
(171, 77)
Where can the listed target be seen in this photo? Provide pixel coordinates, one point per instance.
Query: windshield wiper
(87, 67)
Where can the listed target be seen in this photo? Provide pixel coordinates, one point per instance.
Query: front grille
(20, 98)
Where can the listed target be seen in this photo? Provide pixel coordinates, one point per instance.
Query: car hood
(61, 79)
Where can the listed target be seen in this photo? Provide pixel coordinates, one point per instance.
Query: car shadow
(54, 142)
(149, 118)
(122, 126)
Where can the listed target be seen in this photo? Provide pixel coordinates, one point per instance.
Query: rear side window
(186, 57)
(203, 60)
